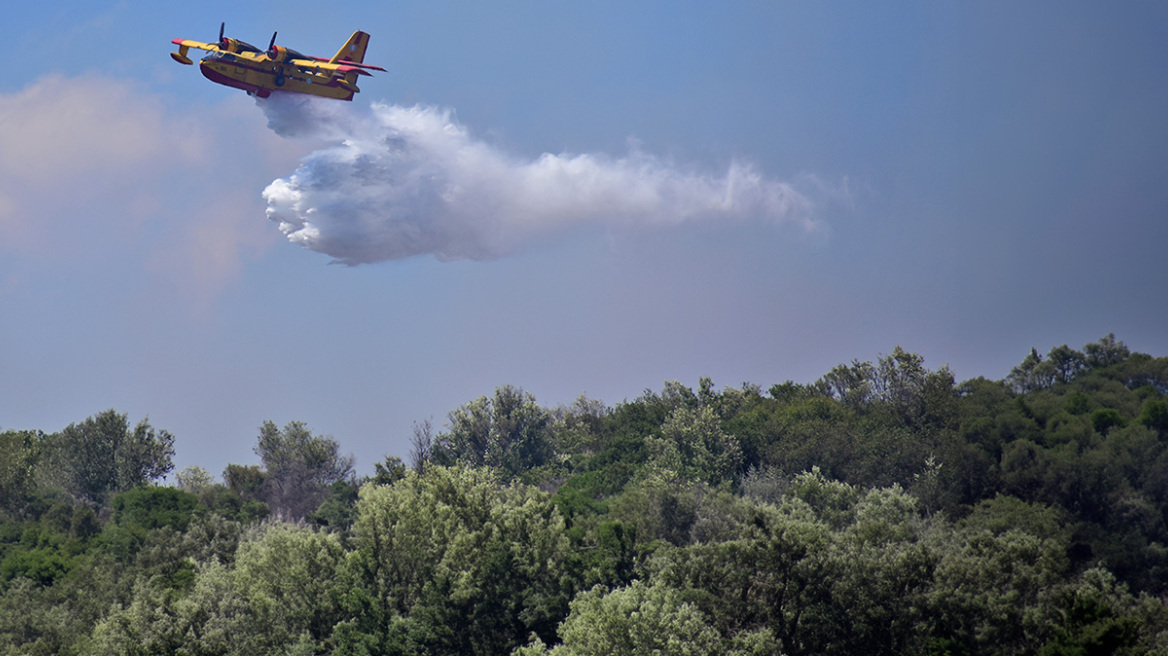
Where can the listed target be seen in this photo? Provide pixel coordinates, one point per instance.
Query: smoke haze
(405, 181)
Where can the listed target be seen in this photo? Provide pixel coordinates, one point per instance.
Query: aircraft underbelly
(232, 76)
(255, 81)
(317, 88)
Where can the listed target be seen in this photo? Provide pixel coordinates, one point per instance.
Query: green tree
(300, 468)
(508, 432)
(639, 620)
(150, 508)
(1067, 362)
(103, 454)
(194, 480)
(693, 447)
(986, 587)
(849, 384)
(1033, 373)
(774, 577)
(283, 592)
(1095, 614)
(451, 562)
(1154, 415)
(19, 454)
(1106, 352)
(1104, 419)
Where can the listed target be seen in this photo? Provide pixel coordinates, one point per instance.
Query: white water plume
(404, 181)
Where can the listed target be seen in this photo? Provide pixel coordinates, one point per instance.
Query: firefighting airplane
(244, 66)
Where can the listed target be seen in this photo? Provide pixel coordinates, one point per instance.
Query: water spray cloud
(405, 181)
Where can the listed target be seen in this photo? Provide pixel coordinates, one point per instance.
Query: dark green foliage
(244, 481)
(388, 472)
(41, 565)
(151, 508)
(1106, 352)
(1154, 415)
(1104, 419)
(337, 511)
(103, 455)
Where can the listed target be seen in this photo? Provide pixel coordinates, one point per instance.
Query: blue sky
(976, 179)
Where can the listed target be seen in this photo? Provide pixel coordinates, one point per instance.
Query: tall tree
(19, 453)
(103, 454)
(1106, 352)
(1067, 362)
(300, 468)
(451, 562)
(508, 432)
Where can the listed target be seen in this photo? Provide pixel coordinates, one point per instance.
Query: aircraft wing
(184, 46)
(345, 62)
(309, 64)
(187, 43)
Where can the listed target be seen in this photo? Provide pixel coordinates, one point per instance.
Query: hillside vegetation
(883, 509)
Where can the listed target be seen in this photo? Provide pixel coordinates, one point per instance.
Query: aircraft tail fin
(353, 50)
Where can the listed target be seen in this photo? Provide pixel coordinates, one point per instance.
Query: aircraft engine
(278, 53)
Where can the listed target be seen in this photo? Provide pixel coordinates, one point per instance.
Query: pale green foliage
(773, 577)
(899, 382)
(289, 576)
(833, 501)
(31, 620)
(193, 480)
(721, 516)
(452, 543)
(883, 563)
(765, 484)
(675, 395)
(829, 570)
(638, 620)
(19, 454)
(508, 432)
(283, 589)
(213, 537)
(693, 447)
(575, 429)
(150, 624)
(681, 514)
(1027, 518)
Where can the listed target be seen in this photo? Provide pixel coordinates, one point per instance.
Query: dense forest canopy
(883, 509)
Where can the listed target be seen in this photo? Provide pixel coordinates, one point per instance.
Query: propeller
(275, 56)
(221, 28)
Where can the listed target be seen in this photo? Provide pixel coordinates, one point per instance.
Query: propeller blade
(273, 41)
(221, 26)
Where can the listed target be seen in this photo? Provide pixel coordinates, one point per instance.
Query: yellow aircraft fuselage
(262, 78)
(243, 66)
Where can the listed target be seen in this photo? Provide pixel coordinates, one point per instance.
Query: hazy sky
(567, 197)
